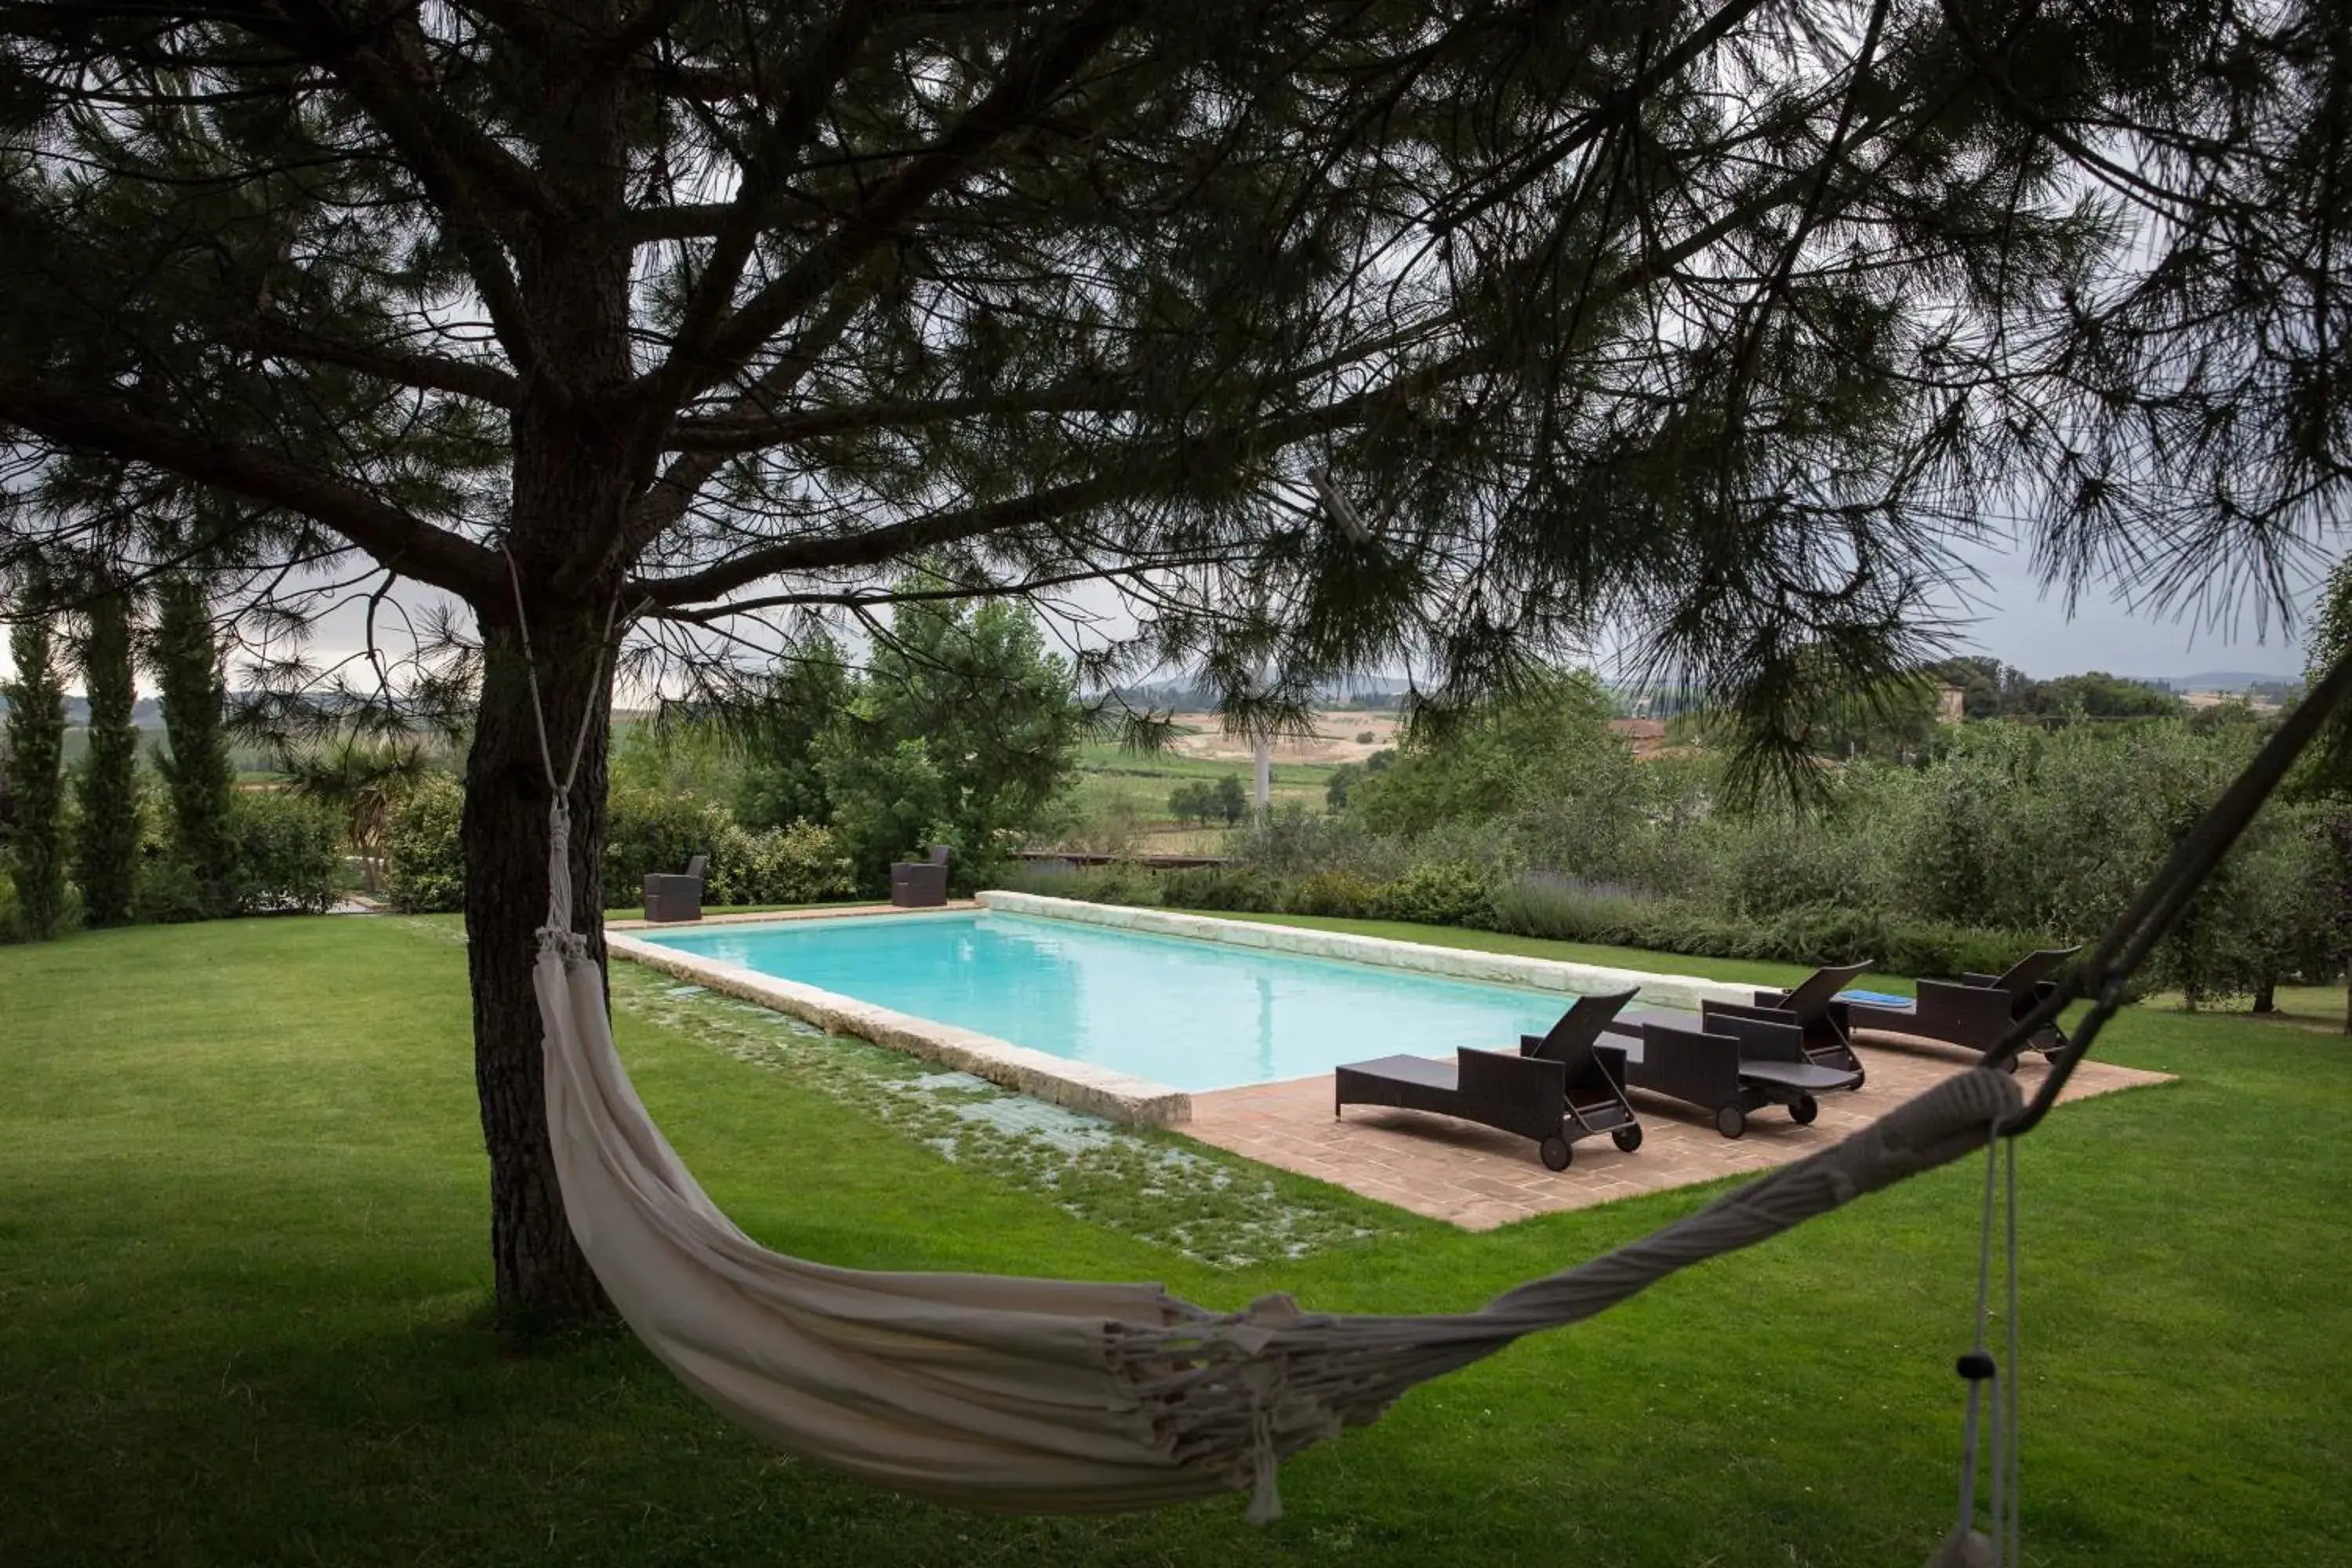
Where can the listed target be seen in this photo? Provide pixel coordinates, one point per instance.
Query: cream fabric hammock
(1039, 1395)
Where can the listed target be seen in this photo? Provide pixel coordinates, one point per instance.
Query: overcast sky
(2016, 623)
(2009, 619)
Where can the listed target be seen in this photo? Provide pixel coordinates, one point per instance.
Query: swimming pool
(1190, 1014)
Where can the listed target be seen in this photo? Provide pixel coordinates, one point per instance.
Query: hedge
(1552, 908)
(646, 830)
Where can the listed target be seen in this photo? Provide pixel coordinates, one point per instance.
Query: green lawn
(242, 1283)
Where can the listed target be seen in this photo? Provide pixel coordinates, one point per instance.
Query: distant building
(1951, 705)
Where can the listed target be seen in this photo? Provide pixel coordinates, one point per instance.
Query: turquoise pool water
(1190, 1014)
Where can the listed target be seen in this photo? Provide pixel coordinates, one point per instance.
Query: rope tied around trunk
(557, 935)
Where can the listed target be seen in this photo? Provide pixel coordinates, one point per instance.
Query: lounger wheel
(1627, 1139)
(1803, 1109)
(1731, 1122)
(1556, 1153)
(1859, 1077)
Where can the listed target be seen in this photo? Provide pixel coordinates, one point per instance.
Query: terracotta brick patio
(1479, 1178)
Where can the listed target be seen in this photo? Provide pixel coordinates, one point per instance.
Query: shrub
(425, 864)
(647, 830)
(1290, 842)
(1046, 879)
(1221, 888)
(797, 865)
(165, 891)
(13, 928)
(1443, 893)
(287, 854)
(1566, 908)
(1193, 802)
(655, 830)
(1342, 894)
(1118, 882)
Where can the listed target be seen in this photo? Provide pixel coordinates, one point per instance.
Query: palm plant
(360, 778)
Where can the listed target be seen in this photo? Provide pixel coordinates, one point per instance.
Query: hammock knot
(569, 945)
(558, 863)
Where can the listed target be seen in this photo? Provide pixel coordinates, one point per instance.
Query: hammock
(1035, 1395)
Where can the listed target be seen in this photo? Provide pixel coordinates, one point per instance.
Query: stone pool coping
(1683, 992)
(772, 917)
(1082, 1086)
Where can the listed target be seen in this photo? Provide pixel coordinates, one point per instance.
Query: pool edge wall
(1073, 1084)
(1677, 991)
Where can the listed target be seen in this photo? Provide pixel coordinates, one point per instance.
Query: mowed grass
(1112, 778)
(243, 1283)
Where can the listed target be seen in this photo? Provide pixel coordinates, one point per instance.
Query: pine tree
(187, 662)
(37, 740)
(106, 841)
(1325, 338)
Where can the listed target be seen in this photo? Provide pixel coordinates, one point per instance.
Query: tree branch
(700, 322)
(691, 220)
(877, 546)
(429, 372)
(1030, 80)
(869, 598)
(398, 539)
(668, 496)
(448, 153)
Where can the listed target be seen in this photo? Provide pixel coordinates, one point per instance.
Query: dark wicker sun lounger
(1731, 1065)
(1814, 1004)
(1972, 1011)
(1562, 1087)
(1811, 1007)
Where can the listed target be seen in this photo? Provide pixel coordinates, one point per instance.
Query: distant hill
(146, 713)
(2222, 680)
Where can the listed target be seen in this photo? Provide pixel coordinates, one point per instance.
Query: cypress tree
(36, 743)
(188, 670)
(107, 843)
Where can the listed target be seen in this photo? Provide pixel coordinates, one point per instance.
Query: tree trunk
(2266, 997)
(543, 1279)
(571, 479)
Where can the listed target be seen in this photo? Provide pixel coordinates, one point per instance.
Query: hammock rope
(1037, 1395)
(1990, 1427)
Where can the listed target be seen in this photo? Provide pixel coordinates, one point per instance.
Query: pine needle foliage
(1460, 336)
